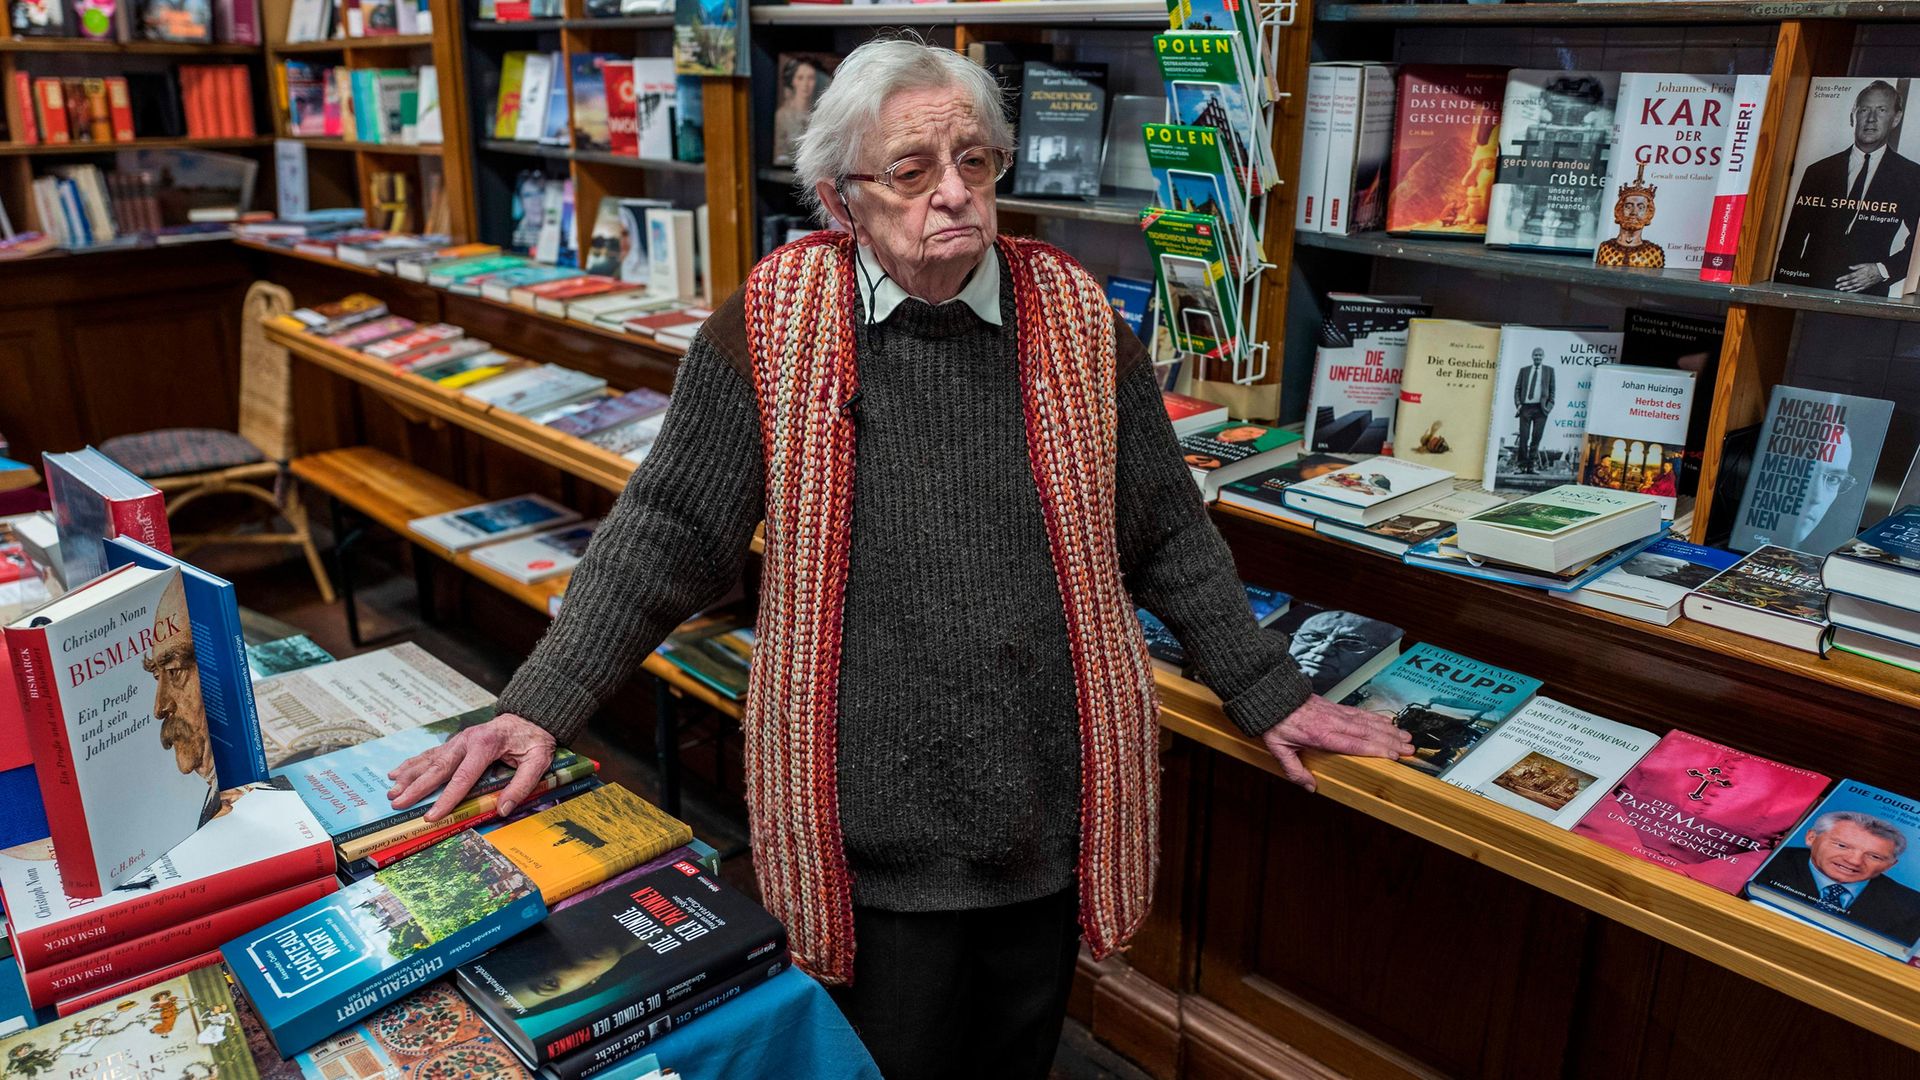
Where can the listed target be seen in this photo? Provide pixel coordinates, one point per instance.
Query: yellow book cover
(506, 109)
(1446, 395)
(585, 841)
(468, 378)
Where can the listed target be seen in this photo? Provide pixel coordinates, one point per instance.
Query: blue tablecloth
(787, 1028)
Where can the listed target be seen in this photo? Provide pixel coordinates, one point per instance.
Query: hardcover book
(1370, 490)
(623, 118)
(322, 708)
(1774, 584)
(263, 840)
(314, 972)
(1199, 296)
(1190, 414)
(1062, 117)
(1446, 149)
(1552, 761)
(1445, 555)
(1665, 339)
(1729, 213)
(416, 1038)
(1851, 228)
(1652, 585)
(94, 498)
(225, 687)
(591, 110)
(1359, 137)
(1357, 371)
(1225, 452)
(1316, 137)
(1446, 701)
(1209, 84)
(503, 519)
(1881, 564)
(1636, 432)
(1446, 395)
(654, 87)
(540, 556)
(1402, 532)
(587, 840)
(1668, 134)
(1812, 470)
(1555, 130)
(1264, 492)
(1701, 809)
(1846, 869)
(1540, 405)
(639, 951)
(107, 678)
(184, 1027)
(1338, 650)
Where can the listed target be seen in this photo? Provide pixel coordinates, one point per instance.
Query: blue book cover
(1446, 701)
(1894, 543)
(590, 102)
(1848, 868)
(22, 817)
(318, 970)
(1131, 297)
(220, 649)
(347, 788)
(1267, 604)
(689, 119)
(1443, 554)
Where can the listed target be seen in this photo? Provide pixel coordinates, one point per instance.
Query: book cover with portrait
(1849, 868)
(1812, 470)
(1855, 199)
(1669, 134)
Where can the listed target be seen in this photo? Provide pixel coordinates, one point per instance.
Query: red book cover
(51, 105)
(69, 1006)
(1180, 406)
(1446, 148)
(53, 758)
(21, 127)
(512, 10)
(623, 113)
(1735, 178)
(14, 751)
(177, 942)
(242, 100)
(144, 519)
(189, 77)
(264, 840)
(1704, 810)
(120, 106)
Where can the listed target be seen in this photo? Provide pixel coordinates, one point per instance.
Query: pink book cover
(1704, 810)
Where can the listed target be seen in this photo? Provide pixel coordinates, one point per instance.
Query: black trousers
(963, 993)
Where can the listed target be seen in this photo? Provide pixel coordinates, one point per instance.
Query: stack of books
(1874, 591)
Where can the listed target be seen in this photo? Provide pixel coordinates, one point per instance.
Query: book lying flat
(1446, 701)
(587, 840)
(1844, 869)
(503, 519)
(322, 708)
(1551, 761)
(187, 1023)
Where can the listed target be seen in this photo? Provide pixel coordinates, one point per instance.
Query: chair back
(266, 381)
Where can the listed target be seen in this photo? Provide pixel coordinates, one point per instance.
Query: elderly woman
(968, 481)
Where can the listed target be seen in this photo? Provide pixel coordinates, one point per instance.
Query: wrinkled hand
(1860, 276)
(459, 761)
(1321, 725)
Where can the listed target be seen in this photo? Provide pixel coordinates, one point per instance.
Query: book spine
(144, 518)
(1343, 143)
(20, 123)
(1314, 145)
(384, 850)
(33, 677)
(51, 103)
(175, 943)
(69, 1006)
(93, 931)
(1736, 178)
(121, 104)
(597, 1059)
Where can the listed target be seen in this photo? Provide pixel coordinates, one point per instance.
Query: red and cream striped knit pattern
(801, 305)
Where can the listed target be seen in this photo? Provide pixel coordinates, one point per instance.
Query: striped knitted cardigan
(801, 305)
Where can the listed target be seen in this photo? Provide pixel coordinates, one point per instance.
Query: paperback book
(347, 788)
(1359, 136)
(1199, 296)
(1846, 231)
(1637, 429)
(1542, 384)
(1337, 650)
(1062, 116)
(1357, 371)
(1193, 174)
(1446, 395)
(1704, 810)
(716, 647)
(1552, 761)
(540, 556)
(183, 1027)
(1265, 492)
(1555, 131)
(1846, 869)
(1812, 471)
(587, 840)
(1654, 584)
(1447, 702)
(1669, 132)
(1446, 149)
(1226, 452)
(412, 1039)
(503, 519)
(1209, 84)
(318, 709)
(590, 105)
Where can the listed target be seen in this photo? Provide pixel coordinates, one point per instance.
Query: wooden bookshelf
(84, 47)
(323, 142)
(67, 149)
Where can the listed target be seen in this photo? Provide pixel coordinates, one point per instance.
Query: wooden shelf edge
(44, 149)
(125, 48)
(669, 672)
(1836, 976)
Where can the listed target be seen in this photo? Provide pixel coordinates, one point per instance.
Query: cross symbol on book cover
(1711, 776)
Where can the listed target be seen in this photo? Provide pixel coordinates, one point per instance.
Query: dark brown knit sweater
(959, 755)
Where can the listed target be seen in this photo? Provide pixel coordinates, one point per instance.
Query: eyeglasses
(914, 176)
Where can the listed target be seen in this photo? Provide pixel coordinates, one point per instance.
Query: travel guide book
(1701, 809)
(1654, 584)
(664, 938)
(1540, 405)
(1447, 702)
(1853, 867)
(1356, 372)
(1446, 395)
(220, 652)
(107, 679)
(1555, 130)
(185, 1027)
(1198, 291)
(1209, 83)
(587, 840)
(1812, 471)
(1552, 761)
(322, 708)
(1191, 172)
(1773, 593)
(1637, 432)
(1370, 490)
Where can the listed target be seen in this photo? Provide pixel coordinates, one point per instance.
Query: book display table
(788, 1028)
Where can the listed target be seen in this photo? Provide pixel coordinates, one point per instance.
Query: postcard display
(1247, 359)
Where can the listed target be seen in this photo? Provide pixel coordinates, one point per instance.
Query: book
(1846, 231)
(616, 1058)
(38, 18)
(1745, 115)
(1264, 492)
(1560, 527)
(1552, 761)
(694, 851)
(1447, 702)
(689, 120)
(1190, 414)
(347, 788)
(716, 647)
(670, 254)
(315, 971)
(1843, 869)
(1192, 174)
(1446, 395)
(635, 954)
(1541, 405)
(1357, 369)
(1668, 133)
(366, 334)
(176, 20)
(502, 519)
(1337, 650)
(537, 388)
(1402, 532)
(1701, 809)
(185, 1026)
(540, 556)
(1063, 112)
(404, 348)
(654, 94)
(1359, 138)
(95, 498)
(1226, 452)
(707, 38)
(322, 708)
(1132, 299)
(592, 101)
(1637, 420)
(1446, 149)
(1370, 490)
(1812, 470)
(612, 413)
(1445, 555)
(326, 320)
(1668, 339)
(1199, 298)
(1316, 140)
(1899, 651)
(411, 1039)
(108, 682)
(537, 79)
(587, 840)
(85, 1000)
(1881, 564)
(1653, 584)
(1555, 131)
(263, 840)
(1773, 593)
(1208, 83)
(224, 687)
(373, 850)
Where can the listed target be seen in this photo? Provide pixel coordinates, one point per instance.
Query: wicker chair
(189, 463)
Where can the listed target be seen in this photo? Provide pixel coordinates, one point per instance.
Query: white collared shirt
(981, 292)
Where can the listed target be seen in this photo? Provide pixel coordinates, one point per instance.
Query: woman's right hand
(459, 762)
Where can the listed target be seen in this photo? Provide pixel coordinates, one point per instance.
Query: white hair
(848, 110)
(1873, 826)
